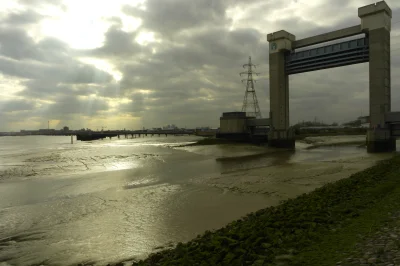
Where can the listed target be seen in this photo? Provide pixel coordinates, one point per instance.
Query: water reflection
(167, 194)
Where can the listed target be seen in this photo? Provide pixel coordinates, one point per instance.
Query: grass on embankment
(317, 228)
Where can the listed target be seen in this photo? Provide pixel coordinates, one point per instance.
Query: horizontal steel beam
(326, 37)
(334, 55)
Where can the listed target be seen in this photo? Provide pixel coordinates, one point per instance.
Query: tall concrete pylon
(374, 48)
(376, 23)
(280, 134)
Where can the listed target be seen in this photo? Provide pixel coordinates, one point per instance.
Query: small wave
(141, 183)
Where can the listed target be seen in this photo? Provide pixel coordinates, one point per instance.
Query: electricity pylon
(250, 104)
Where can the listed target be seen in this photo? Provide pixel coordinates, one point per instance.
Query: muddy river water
(111, 200)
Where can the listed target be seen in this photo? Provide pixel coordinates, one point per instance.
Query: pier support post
(376, 23)
(72, 139)
(280, 135)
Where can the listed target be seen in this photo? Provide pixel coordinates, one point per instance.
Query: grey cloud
(170, 16)
(23, 18)
(174, 78)
(198, 55)
(70, 105)
(41, 89)
(137, 106)
(49, 72)
(39, 3)
(71, 72)
(16, 44)
(45, 89)
(16, 105)
(117, 44)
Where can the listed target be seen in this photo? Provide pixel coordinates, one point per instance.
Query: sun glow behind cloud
(103, 65)
(83, 23)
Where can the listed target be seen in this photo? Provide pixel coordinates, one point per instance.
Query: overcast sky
(132, 64)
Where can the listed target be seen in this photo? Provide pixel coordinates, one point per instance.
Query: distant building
(202, 128)
(66, 128)
(170, 127)
(240, 127)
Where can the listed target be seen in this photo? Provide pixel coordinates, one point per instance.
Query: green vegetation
(317, 228)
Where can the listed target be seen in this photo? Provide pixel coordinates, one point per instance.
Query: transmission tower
(250, 103)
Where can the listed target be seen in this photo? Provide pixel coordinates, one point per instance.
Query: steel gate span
(334, 55)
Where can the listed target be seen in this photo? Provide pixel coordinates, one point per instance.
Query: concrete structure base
(380, 140)
(388, 145)
(282, 143)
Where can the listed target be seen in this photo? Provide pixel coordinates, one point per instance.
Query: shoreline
(315, 140)
(297, 230)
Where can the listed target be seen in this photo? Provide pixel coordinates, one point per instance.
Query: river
(111, 200)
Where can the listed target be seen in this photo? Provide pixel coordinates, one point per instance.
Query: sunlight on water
(110, 200)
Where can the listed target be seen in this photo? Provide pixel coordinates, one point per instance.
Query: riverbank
(318, 228)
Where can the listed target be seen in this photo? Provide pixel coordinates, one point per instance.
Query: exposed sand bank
(289, 180)
(294, 177)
